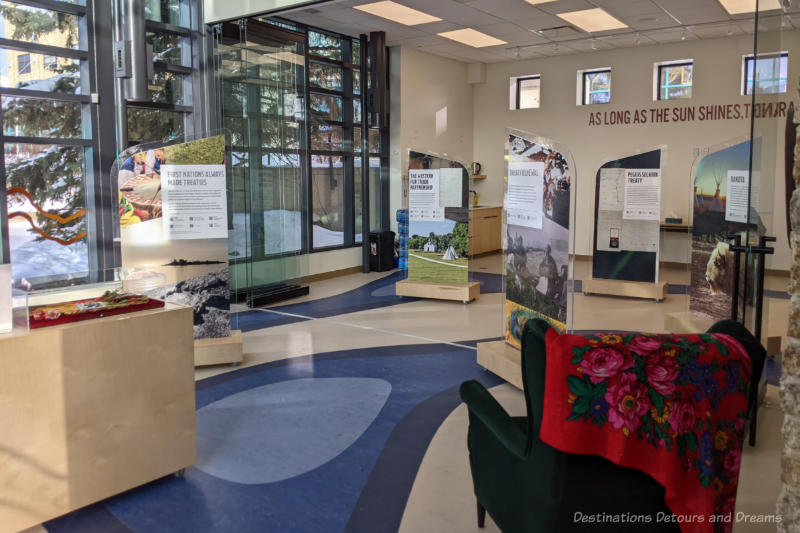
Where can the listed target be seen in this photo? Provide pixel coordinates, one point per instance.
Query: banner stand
(628, 289)
(538, 246)
(173, 220)
(627, 228)
(439, 234)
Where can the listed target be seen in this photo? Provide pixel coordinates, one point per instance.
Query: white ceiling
(517, 22)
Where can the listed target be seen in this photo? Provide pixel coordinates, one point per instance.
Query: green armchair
(528, 486)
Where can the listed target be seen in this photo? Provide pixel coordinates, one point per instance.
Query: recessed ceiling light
(471, 37)
(736, 7)
(534, 2)
(592, 20)
(397, 13)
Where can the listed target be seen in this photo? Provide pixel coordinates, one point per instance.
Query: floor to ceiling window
(47, 137)
(172, 32)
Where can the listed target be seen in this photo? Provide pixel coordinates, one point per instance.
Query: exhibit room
(400, 266)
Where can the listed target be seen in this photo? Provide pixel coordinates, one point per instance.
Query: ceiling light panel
(397, 13)
(737, 7)
(534, 2)
(592, 20)
(472, 38)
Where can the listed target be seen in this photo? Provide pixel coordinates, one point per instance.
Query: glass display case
(52, 300)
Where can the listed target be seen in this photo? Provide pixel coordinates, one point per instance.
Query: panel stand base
(417, 289)
(223, 350)
(501, 359)
(631, 289)
(686, 322)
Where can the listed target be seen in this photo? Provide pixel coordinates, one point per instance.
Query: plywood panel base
(225, 350)
(686, 322)
(416, 289)
(92, 409)
(631, 289)
(502, 359)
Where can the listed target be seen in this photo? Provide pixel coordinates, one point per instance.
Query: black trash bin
(381, 250)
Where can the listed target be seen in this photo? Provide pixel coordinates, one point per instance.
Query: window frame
(668, 65)
(518, 83)
(587, 72)
(754, 58)
(27, 68)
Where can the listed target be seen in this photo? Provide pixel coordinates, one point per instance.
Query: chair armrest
(483, 405)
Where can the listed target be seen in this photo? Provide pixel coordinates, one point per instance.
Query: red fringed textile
(673, 406)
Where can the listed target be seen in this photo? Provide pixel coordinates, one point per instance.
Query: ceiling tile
(712, 31)
(590, 45)
(669, 36)
(564, 6)
(507, 9)
(699, 16)
(629, 40)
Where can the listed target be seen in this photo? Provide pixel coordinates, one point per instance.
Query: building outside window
(525, 92)
(766, 74)
(675, 80)
(596, 86)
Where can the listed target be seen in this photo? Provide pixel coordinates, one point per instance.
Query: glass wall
(766, 80)
(261, 79)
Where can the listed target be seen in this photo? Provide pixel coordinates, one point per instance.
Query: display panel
(627, 218)
(538, 243)
(173, 218)
(720, 210)
(438, 231)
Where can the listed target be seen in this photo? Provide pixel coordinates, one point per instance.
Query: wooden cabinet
(91, 409)
(485, 227)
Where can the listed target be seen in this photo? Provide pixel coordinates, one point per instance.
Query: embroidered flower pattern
(662, 389)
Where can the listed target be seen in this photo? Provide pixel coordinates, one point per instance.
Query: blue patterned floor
(324, 443)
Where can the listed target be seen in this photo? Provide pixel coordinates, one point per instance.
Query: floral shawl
(673, 406)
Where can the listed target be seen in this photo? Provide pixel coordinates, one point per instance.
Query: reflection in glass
(325, 76)
(327, 189)
(146, 125)
(324, 106)
(324, 45)
(168, 87)
(175, 12)
(326, 137)
(52, 177)
(167, 47)
(37, 117)
(374, 141)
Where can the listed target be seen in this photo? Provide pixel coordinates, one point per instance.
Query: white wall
(717, 80)
(422, 85)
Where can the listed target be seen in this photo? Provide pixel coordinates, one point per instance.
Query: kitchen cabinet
(485, 228)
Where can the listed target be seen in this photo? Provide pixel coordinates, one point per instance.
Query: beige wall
(717, 79)
(421, 85)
